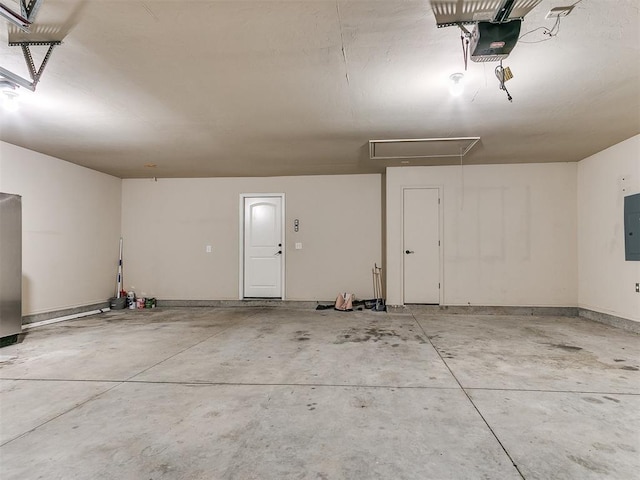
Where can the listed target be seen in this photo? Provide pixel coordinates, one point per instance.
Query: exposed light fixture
(9, 95)
(456, 84)
(497, 28)
(150, 165)
(10, 101)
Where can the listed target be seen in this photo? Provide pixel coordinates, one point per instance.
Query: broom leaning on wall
(120, 300)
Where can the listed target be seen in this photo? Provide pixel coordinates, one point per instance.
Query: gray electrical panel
(632, 227)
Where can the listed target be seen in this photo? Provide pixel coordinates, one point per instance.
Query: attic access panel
(453, 12)
(420, 148)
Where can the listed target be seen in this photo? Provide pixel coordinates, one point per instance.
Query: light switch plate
(298, 245)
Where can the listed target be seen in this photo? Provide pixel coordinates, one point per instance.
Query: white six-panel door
(263, 247)
(421, 246)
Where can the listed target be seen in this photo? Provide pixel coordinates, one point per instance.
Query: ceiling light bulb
(456, 84)
(10, 100)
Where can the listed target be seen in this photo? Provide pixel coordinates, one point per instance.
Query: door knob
(279, 253)
(408, 251)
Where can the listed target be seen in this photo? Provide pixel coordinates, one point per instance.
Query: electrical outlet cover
(559, 12)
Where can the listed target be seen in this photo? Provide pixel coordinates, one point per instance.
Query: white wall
(71, 229)
(509, 233)
(535, 234)
(167, 224)
(606, 280)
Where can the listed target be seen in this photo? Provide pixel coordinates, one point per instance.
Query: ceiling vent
(420, 148)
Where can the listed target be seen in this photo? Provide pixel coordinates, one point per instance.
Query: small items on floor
(346, 301)
(353, 303)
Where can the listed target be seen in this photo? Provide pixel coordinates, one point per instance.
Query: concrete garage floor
(286, 393)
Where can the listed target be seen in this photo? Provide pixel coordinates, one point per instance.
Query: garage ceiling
(299, 87)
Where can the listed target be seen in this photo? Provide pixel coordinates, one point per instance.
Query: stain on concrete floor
(568, 348)
(375, 334)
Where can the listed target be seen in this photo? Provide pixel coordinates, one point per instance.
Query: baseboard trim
(39, 318)
(494, 310)
(612, 320)
(258, 302)
(396, 309)
(607, 319)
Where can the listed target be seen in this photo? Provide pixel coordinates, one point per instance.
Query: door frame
(440, 235)
(241, 255)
